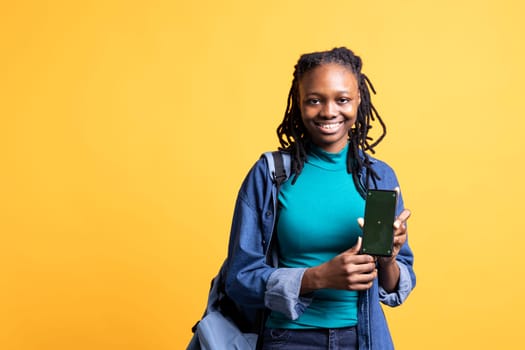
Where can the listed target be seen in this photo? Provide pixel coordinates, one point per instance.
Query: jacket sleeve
(405, 258)
(250, 281)
(406, 280)
(283, 292)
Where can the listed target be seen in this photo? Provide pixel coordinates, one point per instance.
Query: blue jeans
(310, 339)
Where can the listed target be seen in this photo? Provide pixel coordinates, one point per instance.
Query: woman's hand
(388, 268)
(400, 236)
(348, 270)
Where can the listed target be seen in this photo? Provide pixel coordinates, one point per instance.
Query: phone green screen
(378, 230)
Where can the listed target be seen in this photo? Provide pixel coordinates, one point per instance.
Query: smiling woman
(323, 290)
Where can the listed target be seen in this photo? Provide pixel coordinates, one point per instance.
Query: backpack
(220, 327)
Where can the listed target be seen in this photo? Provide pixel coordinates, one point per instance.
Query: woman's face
(329, 98)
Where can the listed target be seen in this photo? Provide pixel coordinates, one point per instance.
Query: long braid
(292, 133)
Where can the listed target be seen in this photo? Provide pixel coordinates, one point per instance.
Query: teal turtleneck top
(317, 221)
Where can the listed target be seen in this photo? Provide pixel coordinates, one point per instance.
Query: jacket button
(268, 213)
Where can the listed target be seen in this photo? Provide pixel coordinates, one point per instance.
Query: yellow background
(128, 126)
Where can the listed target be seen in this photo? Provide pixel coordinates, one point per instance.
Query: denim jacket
(254, 285)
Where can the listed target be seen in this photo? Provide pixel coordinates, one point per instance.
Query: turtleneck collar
(327, 160)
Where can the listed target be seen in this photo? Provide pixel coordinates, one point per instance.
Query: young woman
(323, 294)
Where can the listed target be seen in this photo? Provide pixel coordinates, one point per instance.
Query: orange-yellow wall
(127, 127)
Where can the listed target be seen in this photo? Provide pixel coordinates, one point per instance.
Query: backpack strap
(279, 165)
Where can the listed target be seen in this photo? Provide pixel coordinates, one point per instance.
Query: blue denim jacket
(253, 284)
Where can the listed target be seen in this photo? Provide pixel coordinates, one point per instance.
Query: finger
(405, 214)
(400, 239)
(362, 281)
(361, 222)
(364, 268)
(361, 287)
(359, 262)
(357, 247)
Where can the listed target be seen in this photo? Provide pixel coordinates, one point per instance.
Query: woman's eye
(314, 101)
(344, 100)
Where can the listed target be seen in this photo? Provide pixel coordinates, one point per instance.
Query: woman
(324, 294)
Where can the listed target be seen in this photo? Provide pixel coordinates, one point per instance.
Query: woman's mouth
(329, 126)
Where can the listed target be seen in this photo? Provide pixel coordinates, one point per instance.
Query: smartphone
(378, 230)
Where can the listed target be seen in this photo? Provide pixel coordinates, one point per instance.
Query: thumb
(356, 248)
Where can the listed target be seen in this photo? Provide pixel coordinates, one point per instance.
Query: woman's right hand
(348, 271)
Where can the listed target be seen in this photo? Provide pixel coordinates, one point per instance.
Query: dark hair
(292, 133)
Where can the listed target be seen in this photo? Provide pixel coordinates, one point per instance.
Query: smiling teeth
(329, 126)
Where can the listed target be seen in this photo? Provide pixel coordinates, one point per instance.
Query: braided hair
(292, 133)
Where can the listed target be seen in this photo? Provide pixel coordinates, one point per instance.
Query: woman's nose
(329, 110)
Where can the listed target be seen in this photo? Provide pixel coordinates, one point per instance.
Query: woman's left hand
(388, 270)
(400, 236)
